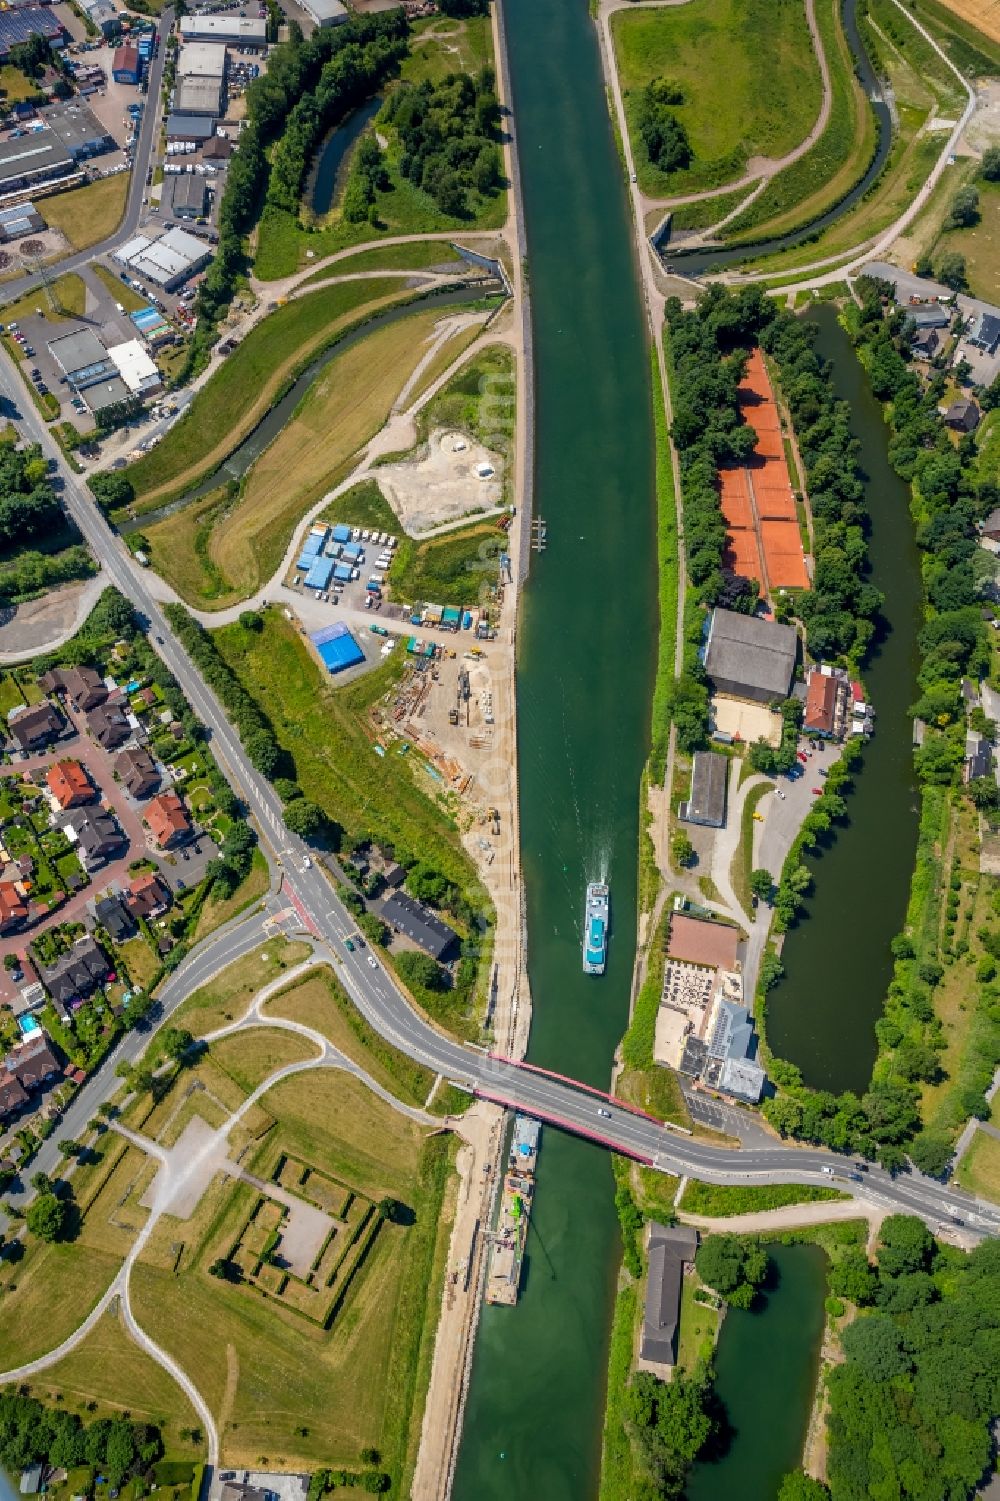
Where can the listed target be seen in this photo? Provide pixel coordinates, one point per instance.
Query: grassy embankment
(718, 1200)
(89, 214)
(416, 255)
(403, 208)
(247, 385)
(65, 299)
(828, 170)
(923, 87)
(301, 1372)
(231, 545)
(325, 732)
(980, 244)
(717, 52)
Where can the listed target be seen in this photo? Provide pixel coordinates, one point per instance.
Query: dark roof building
(12, 1096)
(985, 332)
(84, 687)
(77, 973)
(978, 757)
(17, 26)
(963, 416)
(416, 922)
(747, 657)
(35, 726)
(147, 896)
(32, 1062)
(109, 726)
(925, 342)
(95, 834)
(707, 804)
(189, 127)
(669, 1248)
(111, 913)
(991, 526)
(137, 771)
(929, 315)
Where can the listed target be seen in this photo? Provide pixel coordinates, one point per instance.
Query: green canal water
(837, 960)
(779, 1342)
(585, 664)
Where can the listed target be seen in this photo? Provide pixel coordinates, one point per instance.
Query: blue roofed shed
(352, 550)
(319, 574)
(342, 534)
(312, 546)
(342, 573)
(337, 647)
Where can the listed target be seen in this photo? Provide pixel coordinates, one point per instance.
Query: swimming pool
(29, 1026)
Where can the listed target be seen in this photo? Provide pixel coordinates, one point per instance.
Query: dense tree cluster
(734, 1265)
(296, 72)
(662, 134)
(672, 1423)
(911, 1406)
(464, 7)
(31, 1433)
(449, 133)
(29, 507)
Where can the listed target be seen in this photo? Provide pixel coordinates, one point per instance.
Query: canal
(837, 959)
(585, 663)
(767, 1419)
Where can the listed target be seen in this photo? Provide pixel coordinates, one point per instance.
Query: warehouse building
(79, 129)
(81, 357)
(230, 29)
(747, 657)
(707, 803)
(169, 260)
(135, 368)
(17, 26)
(199, 96)
(194, 128)
(18, 220)
(127, 65)
(325, 12)
(33, 159)
(187, 193)
(337, 647)
(202, 60)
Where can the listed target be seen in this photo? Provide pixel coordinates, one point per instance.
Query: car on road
(828, 1171)
(817, 792)
(802, 756)
(306, 863)
(780, 793)
(606, 1113)
(862, 1167)
(373, 961)
(349, 944)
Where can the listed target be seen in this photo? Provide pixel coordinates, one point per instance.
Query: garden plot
(454, 476)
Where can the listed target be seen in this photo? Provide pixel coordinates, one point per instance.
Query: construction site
(758, 503)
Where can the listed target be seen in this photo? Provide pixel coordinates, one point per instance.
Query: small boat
(595, 928)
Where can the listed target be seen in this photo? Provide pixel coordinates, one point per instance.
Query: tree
(68, 1147)
(681, 849)
(761, 885)
(175, 1042)
(420, 970)
(112, 491)
(733, 1265)
(798, 1486)
(46, 1217)
(304, 818)
(761, 757)
(120, 1452)
(905, 1245)
(952, 271)
(853, 1277)
(875, 1344)
(264, 751)
(964, 209)
(252, 620)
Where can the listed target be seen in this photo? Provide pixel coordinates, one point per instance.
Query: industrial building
(17, 26)
(127, 65)
(33, 159)
(202, 60)
(18, 220)
(151, 323)
(84, 361)
(198, 96)
(325, 12)
(187, 194)
(194, 128)
(748, 657)
(135, 368)
(169, 260)
(228, 28)
(102, 14)
(707, 803)
(79, 129)
(337, 648)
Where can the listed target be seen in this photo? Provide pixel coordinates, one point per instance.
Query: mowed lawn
(280, 1385)
(980, 245)
(226, 998)
(109, 1368)
(979, 1169)
(248, 383)
(68, 293)
(415, 255)
(344, 408)
(748, 74)
(47, 1295)
(254, 1054)
(90, 214)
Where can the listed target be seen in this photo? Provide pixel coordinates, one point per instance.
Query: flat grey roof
(76, 125)
(745, 650)
(107, 394)
(198, 96)
(77, 350)
(38, 152)
(709, 774)
(197, 127)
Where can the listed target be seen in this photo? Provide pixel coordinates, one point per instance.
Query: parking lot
(367, 555)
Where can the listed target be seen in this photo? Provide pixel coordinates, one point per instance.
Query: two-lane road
(383, 1004)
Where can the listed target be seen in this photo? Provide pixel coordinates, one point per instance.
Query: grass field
(418, 255)
(248, 383)
(979, 1169)
(980, 245)
(217, 911)
(719, 1200)
(342, 410)
(89, 214)
(363, 505)
(47, 1295)
(718, 52)
(127, 296)
(283, 1387)
(109, 1368)
(440, 46)
(820, 178)
(251, 1056)
(228, 995)
(16, 85)
(969, 31)
(699, 1324)
(319, 1001)
(456, 569)
(68, 293)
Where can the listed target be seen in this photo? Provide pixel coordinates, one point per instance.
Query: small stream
(264, 434)
(329, 171)
(706, 259)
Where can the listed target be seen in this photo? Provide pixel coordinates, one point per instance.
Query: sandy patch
(42, 623)
(745, 721)
(442, 484)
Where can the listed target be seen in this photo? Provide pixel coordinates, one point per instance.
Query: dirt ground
(442, 485)
(749, 721)
(984, 14)
(41, 623)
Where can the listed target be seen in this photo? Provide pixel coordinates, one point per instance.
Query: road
(376, 994)
(148, 132)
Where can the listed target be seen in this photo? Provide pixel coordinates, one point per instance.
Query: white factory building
(168, 260)
(325, 12)
(135, 367)
(232, 30)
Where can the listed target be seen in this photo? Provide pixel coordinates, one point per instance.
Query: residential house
(69, 784)
(35, 726)
(168, 819)
(109, 726)
(114, 916)
(13, 907)
(669, 1247)
(925, 343)
(826, 704)
(984, 332)
(147, 896)
(978, 757)
(75, 974)
(95, 834)
(137, 771)
(963, 416)
(82, 686)
(12, 1097)
(411, 918)
(707, 804)
(929, 315)
(33, 1062)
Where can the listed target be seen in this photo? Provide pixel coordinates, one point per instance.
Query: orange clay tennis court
(757, 504)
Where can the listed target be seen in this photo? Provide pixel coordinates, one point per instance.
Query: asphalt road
(376, 995)
(224, 947)
(12, 290)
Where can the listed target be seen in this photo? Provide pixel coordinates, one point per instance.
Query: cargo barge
(507, 1242)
